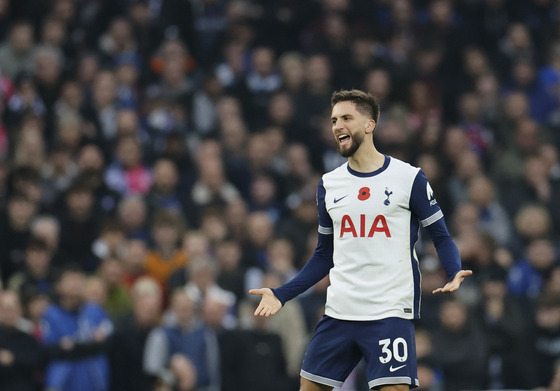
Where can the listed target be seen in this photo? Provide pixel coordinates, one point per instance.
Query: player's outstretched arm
(269, 304)
(455, 283)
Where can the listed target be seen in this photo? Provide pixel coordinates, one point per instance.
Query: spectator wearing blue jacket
(527, 276)
(71, 321)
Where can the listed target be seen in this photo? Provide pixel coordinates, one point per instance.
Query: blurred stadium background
(177, 144)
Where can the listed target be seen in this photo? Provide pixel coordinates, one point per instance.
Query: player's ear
(370, 126)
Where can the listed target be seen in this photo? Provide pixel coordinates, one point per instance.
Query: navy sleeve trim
(432, 219)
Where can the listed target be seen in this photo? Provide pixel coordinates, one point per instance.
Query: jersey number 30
(400, 350)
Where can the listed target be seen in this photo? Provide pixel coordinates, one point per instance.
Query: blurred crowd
(159, 158)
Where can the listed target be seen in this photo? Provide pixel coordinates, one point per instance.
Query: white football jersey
(374, 219)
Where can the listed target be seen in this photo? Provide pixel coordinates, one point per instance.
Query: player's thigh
(308, 385)
(332, 352)
(389, 348)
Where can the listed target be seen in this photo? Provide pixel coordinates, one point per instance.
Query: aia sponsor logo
(364, 228)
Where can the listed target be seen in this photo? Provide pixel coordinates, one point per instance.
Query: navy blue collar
(369, 174)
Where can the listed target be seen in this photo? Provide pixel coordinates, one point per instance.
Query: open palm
(455, 283)
(269, 304)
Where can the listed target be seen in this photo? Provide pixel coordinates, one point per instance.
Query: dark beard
(352, 149)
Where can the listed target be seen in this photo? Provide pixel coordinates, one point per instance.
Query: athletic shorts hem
(384, 381)
(320, 379)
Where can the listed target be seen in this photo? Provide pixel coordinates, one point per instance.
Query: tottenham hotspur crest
(388, 194)
(430, 195)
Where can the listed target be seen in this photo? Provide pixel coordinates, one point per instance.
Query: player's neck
(366, 159)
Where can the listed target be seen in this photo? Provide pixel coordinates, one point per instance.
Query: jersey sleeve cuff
(432, 219)
(325, 230)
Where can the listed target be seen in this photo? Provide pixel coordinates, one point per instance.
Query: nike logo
(341, 198)
(391, 369)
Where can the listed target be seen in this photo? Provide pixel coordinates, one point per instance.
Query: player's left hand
(455, 283)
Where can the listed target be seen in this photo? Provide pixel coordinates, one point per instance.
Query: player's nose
(337, 125)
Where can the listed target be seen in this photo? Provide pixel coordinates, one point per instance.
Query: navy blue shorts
(388, 346)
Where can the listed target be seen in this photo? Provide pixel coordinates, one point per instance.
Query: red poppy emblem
(363, 194)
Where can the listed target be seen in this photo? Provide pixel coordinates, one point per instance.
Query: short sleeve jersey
(374, 219)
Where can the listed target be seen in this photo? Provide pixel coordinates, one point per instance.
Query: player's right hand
(269, 304)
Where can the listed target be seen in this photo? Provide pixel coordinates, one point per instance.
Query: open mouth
(343, 139)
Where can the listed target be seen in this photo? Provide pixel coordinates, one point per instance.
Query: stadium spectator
(197, 246)
(111, 242)
(29, 150)
(235, 219)
(18, 53)
(460, 348)
(79, 225)
(547, 319)
(505, 326)
(493, 218)
(291, 66)
(166, 255)
(24, 102)
(253, 359)
(213, 226)
(231, 273)
(289, 325)
(212, 188)
(15, 224)
(101, 110)
(38, 274)
(202, 283)
(528, 275)
(132, 212)
(432, 278)
(21, 356)
(185, 336)
(71, 319)
(128, 341)
(57, 174)
(117, 301)
(204, 106)
(127, 174)
(165, 192)
(532, 222)
(91, 165)
(133, 262)
(260, 231)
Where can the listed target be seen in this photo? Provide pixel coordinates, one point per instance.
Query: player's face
(348, 127)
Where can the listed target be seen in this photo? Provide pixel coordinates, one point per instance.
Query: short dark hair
(69, 268)
(365, 102)
(36, 244)
(168, 218)
(79, 185)
(111, 226)
(548, 300)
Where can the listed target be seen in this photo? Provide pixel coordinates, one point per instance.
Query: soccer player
(370, 210)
